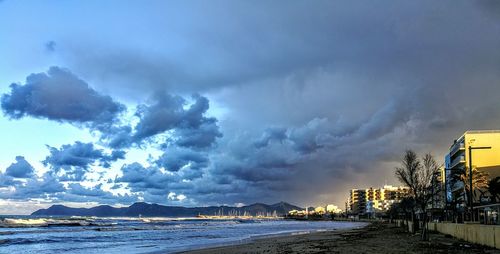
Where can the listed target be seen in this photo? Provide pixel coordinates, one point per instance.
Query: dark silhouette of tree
(494, 189)
(418, 176)
(402, 209)
(479, 180)
(479, 183)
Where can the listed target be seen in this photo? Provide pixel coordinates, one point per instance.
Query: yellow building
(333, 209)
(320, 210)
(481, 149)
(374, 200)
(357, 201)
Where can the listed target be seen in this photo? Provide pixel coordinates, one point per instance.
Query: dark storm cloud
(49, 186)
(78, 189)
(259, 45)
(75, 159)
(270, 135)
(8, 181)
(167, 113)
(260, 169)
(59, 95)
(140, 178)
(80, 155)
(20, 169)
(285, 159)
(45, 187)
(79, 193)
(188, 123)
(491, 7)
(117, 137)
(217, 52)
(164, 114)
(176, 158)
(204, 136)
(312, 136)
(154, 185)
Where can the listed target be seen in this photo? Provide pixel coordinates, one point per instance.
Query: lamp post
(433, 191)
(471, 191)
(435, 200)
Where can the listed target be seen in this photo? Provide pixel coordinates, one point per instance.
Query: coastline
(258, 244)
(376, 237)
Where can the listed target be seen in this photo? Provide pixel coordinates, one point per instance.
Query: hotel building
(481, 149)
(362, 201)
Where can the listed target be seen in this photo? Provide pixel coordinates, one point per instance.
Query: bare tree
(418, 175)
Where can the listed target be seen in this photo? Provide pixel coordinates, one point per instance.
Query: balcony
(457, 161)
(456, 187)
(459, 146)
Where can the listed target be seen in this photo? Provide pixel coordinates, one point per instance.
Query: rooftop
(482, 131)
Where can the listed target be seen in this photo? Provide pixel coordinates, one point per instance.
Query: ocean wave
(76, 221)
(50, 222)
(12, 241)
(22, 222)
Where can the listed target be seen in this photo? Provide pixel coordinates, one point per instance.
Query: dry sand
(375, 238)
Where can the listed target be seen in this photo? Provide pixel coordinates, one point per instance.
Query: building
(333, 209)
(367, 201)
(357, 201)
(318, 211)
(439, 188)
(481, 149)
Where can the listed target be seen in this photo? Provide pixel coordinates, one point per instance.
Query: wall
(488, 235)
(405, 224)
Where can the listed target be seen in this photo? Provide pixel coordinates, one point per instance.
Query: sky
(199, 103)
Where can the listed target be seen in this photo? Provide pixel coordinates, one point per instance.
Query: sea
(44, 235)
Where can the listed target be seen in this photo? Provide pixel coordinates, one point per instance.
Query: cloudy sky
(234, 102)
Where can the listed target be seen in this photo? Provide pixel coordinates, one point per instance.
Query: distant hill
(155, 210)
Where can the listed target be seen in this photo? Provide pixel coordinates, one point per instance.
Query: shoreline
(236, 246)
(374, 238)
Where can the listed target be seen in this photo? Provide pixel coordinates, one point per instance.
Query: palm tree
(494, 188)
(479, 179)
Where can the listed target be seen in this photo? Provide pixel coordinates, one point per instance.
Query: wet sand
(374, 238)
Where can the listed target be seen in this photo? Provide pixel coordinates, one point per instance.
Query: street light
(471, 203)
(433, 180)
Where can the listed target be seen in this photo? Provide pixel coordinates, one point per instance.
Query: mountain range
(155, 210)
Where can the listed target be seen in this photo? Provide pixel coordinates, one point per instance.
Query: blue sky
(229, 102)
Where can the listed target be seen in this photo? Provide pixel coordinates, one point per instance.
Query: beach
(113, 235)
(375, 238)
